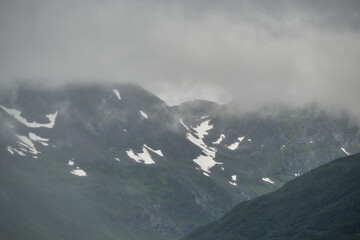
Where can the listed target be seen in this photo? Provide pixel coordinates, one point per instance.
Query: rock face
(116, 162)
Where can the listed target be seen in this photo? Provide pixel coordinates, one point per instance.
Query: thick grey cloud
(255, 51)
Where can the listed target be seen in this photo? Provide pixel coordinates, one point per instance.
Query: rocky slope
(110, 162)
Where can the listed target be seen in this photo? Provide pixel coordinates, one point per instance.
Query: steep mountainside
(101, 162)
(321, 204)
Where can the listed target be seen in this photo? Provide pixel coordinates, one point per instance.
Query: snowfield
(268, 180)
(117, 93)
(196, 136)
(17, 115)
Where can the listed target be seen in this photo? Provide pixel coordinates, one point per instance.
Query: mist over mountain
(292, 52)
(116, 162)
(147, 119)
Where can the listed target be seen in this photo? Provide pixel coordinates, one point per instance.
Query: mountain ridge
(129, 161)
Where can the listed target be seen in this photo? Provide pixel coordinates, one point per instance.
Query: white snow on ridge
(233, 146)
(200, 143)
(158, 152)
(205, 161)
(233, 180)
(117, 93)
(236, 144)
(146, 157)
(143, 157)
(10, 150)
(203, 129)
(268, 180)
(343, 149)
(27, 143)
(78, 172)
(17, 115)
(38, 139)
(71, 162)
(19, 152)
(222, 137)
(144, 114)
(186, 127)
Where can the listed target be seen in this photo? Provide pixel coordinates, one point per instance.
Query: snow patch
(117, 93)
(296, 174)
(144, 114)
(203, 129)
(19, 152)
(222, 168)
(206, 162)
(143, 157)
(236, 144)
(17, 115)
(10, 150)
(204, 117)
(233, 180)
(249, 140)
(78, 172)
(196, 136)
(206, 174)
(343, 149)
(38, 139)
(71, 163)
(222, 137)
(117, 159)
(27, 144)
(158, 152)
(268, 180)
(182, 123)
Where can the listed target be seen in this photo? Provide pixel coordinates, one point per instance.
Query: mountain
(321, 204)
(116, 162)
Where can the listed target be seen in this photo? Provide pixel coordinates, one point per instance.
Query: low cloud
(256, 52)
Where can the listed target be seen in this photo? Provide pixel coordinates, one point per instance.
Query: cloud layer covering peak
(254, 51)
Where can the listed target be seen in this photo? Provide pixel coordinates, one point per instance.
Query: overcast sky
(254, 51)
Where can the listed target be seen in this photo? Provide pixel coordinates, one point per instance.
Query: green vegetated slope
(321, 204)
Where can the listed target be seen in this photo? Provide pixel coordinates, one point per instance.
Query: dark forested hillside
(322, 204)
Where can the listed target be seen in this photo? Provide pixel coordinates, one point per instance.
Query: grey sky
(255, 51)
